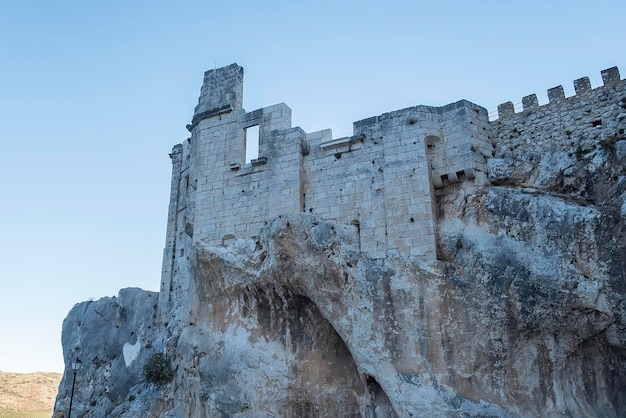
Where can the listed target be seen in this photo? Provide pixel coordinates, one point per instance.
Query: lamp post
(75, 366)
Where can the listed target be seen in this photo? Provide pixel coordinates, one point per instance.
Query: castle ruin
(384, 179)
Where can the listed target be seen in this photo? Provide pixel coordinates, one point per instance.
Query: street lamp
(75, 366)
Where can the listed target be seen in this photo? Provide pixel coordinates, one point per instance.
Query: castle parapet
(506, 109)
(576, 123)
(582, 86)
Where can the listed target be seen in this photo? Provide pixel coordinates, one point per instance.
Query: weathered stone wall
(549, 147)
(577, 122)
(216, 196)
(381, 180)
(233, 198)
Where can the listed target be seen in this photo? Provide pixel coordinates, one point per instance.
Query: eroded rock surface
(113, 338)
(524, 318)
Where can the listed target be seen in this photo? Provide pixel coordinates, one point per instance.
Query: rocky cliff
(522, 315)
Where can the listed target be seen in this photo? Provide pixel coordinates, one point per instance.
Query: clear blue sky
(93, 95)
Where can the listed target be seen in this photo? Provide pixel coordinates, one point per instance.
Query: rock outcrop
(520, 321)
(523, 313)
(113, 338)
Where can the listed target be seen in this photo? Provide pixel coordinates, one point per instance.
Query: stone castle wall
(384, 180)
(576, 122)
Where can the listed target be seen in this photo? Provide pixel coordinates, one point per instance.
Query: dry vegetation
(28, 395)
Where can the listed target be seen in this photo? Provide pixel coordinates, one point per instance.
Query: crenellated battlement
(571, 124)
(556, 95)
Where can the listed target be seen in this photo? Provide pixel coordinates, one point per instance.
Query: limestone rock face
(113, 338)
(523, 317)
(521, 321)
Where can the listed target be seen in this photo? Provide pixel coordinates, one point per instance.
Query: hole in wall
(432, 140)
(251, 143)
(357, 224)
(228, 239)
(596, 123)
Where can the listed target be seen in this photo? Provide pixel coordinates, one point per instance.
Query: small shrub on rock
(158, 370)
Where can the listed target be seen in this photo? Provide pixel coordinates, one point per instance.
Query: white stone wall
(235, 199)
(179, 226)
(380, 180)
(344, 181)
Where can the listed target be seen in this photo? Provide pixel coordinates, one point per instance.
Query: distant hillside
(28, 395)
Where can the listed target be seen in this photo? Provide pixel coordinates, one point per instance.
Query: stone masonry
(576, 122)
(384, 179)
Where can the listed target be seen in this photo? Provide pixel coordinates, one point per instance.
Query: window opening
(251, 143)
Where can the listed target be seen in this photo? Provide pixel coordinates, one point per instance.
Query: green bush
(158, 370)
